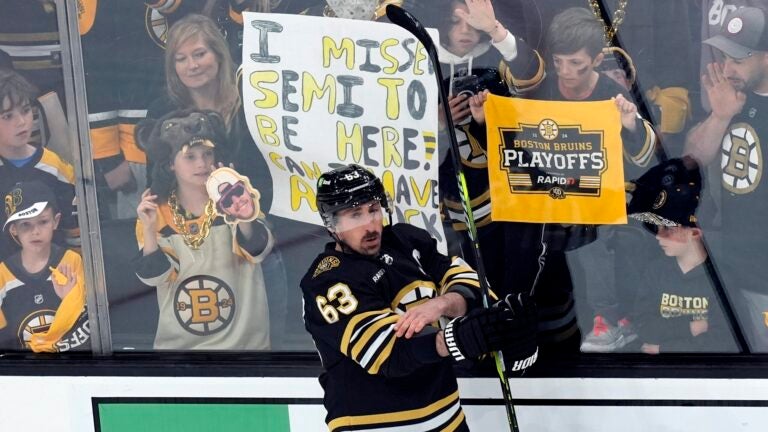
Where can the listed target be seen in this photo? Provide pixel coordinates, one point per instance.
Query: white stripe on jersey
(101, 116)
(380, 340)
(368, 324)
(9, 286)
(139, 114)
(31, 50)
(52, 170)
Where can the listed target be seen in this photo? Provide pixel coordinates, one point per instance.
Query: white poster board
(323, 92)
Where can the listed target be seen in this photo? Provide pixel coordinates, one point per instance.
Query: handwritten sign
(319, 93)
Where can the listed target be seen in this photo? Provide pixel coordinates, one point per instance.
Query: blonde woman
(200, 74)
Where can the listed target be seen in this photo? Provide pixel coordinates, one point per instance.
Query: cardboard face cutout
(236, 200)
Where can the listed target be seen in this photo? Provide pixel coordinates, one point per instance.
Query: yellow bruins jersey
(28, 304)
(372, 379)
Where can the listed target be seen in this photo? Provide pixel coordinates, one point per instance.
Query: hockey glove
(502, 326)
(522, 350)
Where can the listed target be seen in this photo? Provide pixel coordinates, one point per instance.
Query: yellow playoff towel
(558, 162)
(66, 316)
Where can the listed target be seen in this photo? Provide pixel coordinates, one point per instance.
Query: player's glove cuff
(451, 342)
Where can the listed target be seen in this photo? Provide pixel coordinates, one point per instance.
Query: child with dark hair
(42, 287)
(679, 311)
(574, 45)
(479, 55)
(21, 161)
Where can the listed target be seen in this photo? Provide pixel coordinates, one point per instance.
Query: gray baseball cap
(742, 33)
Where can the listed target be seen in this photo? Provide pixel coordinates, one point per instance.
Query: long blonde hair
(199, 26)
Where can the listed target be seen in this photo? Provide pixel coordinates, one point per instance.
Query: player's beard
(371, 249)
(370, 244)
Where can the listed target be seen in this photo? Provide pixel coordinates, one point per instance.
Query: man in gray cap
(738, 91)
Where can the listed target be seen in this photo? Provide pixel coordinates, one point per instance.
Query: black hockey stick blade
(406, 20)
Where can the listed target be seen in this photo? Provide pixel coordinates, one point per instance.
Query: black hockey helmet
(347, 187)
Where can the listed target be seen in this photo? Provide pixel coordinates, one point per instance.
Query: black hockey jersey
(744, 197)
(372, 379)
(48, 168)
(28, 304)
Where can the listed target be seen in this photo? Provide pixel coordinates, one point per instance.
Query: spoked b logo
(204, 305)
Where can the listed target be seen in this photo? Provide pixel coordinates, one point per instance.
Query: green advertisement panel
(190, 417)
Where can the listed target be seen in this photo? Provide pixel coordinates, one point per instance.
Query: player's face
(196, 65)
(360, 227)
(192, 167)
(574, 71)
(36, 233)
(238, 203)
(15, 124)
(462, 37)
(747, 73)
(674, 241)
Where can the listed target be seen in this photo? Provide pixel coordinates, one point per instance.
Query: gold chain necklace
(618, 17)
(192, 240)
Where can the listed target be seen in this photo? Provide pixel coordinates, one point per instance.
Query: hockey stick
(406, 20)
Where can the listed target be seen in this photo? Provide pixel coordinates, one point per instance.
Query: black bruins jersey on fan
(745, 194)
(372, 379)
(28, 304)
(47, 167)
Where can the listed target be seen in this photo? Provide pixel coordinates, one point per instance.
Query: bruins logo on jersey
(413, 294)
(472, 154)
(157, 26)
(12, 201)
(326, 264)
(204, 305)
(742, 159)
(36, 322)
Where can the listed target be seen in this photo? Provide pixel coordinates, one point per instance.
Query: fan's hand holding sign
(555, 162)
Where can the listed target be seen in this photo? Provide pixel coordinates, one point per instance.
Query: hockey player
(372, 299)
(42, 291)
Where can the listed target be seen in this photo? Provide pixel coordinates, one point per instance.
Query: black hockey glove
(522, 350)
(508, 325)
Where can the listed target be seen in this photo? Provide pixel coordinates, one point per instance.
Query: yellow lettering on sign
(393, 98)
(269, 99)
(331, 49)
(301, 190)
(352, 139)
(311, 90)
(267, 129)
